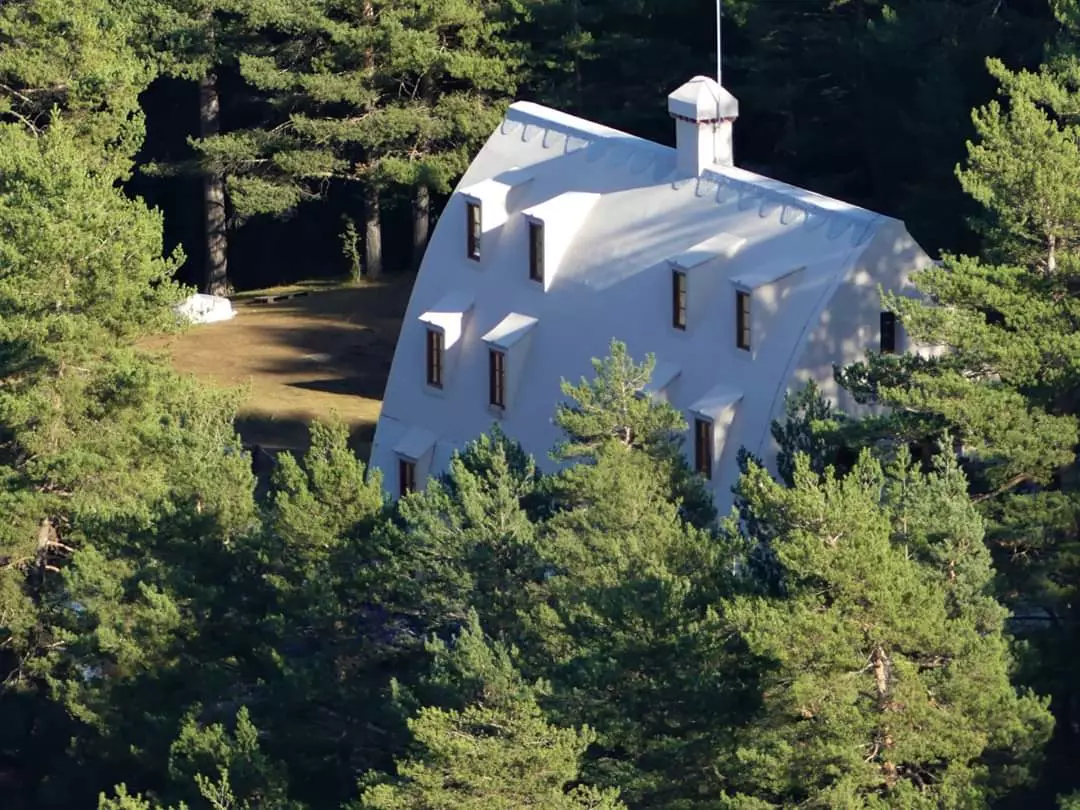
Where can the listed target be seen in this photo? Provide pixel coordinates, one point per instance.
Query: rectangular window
(536, 252)
(678, 299)
(742, 320)
(497, 378)
(474, 230)
(888, 333)
(434, 358)
(406, 476)
(703, 447)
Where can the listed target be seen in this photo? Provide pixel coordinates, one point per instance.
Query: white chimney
(704, 114)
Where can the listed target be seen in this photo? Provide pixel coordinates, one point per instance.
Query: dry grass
(324, 353)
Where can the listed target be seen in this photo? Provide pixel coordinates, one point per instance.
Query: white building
(564, 234)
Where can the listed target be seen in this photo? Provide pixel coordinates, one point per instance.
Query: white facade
(612, 218)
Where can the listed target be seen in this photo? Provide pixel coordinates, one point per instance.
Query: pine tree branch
(1013, 482)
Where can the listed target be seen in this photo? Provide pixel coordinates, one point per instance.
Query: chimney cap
(702, 99)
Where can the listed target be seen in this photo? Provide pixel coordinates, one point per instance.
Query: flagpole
(719, 50)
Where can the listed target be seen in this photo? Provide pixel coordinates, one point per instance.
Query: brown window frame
(536, 251)
(742, 320)
(497, 378)
(678, 299)
(435, 352)
(888, 332)
(406, 476)
(473, 231)
(703, 447)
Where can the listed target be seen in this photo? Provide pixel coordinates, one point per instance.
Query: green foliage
(73, 60)
(396, 92)
(478, 513)
(836, 643)
(616, 406)
(810, 428)
(887, 681)
(497, 751)
(1025, 167)
(216, 769)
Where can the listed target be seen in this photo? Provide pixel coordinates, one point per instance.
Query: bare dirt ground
(327, 352)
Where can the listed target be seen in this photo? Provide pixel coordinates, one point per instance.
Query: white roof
(723, 245)
(663, 375)
(716, 400)
(614, 281)
(509, 330)
(450, 309)
(414, 444)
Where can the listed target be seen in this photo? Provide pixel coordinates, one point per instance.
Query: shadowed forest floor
(325, 352)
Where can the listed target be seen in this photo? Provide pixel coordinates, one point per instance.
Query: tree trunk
(373, 265)
(372, 233)
(217, 262)
(421, 223)
(1051, 255)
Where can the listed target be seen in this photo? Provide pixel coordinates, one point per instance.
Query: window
(536, 252)
(703, 447)
(497, 378)
(678, 299)
(742, 320)
(406, 476)
(888, 332)
(474, 231)
(434, 358)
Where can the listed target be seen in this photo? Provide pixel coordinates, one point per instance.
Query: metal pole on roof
(719, 50)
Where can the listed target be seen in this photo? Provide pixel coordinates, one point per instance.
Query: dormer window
(474, 230)
(434, 358)
(888, 333)
(406, 477)
(678, 299)
(703, 447)
(742, 320)
(536, 251)
(497, 378)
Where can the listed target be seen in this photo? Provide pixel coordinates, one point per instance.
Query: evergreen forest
(892, 621)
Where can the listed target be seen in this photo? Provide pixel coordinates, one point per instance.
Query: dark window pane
(536, 251)
(678, 295)
(474, 231)
(406, 477)
(742, 320)
(703, 451)
(888, 332)
(497, 378)
(435, 358)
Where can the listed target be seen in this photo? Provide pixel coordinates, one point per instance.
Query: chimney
(704, 114)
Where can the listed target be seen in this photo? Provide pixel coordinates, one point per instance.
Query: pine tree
(213, 768)
(109, 462)
(494, 748)
(887, 668)
(73, 61)
(615, 406)
(384, 94)
(483, 509)
(197, 40)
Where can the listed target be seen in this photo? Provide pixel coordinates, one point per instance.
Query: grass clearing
(322, 353)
